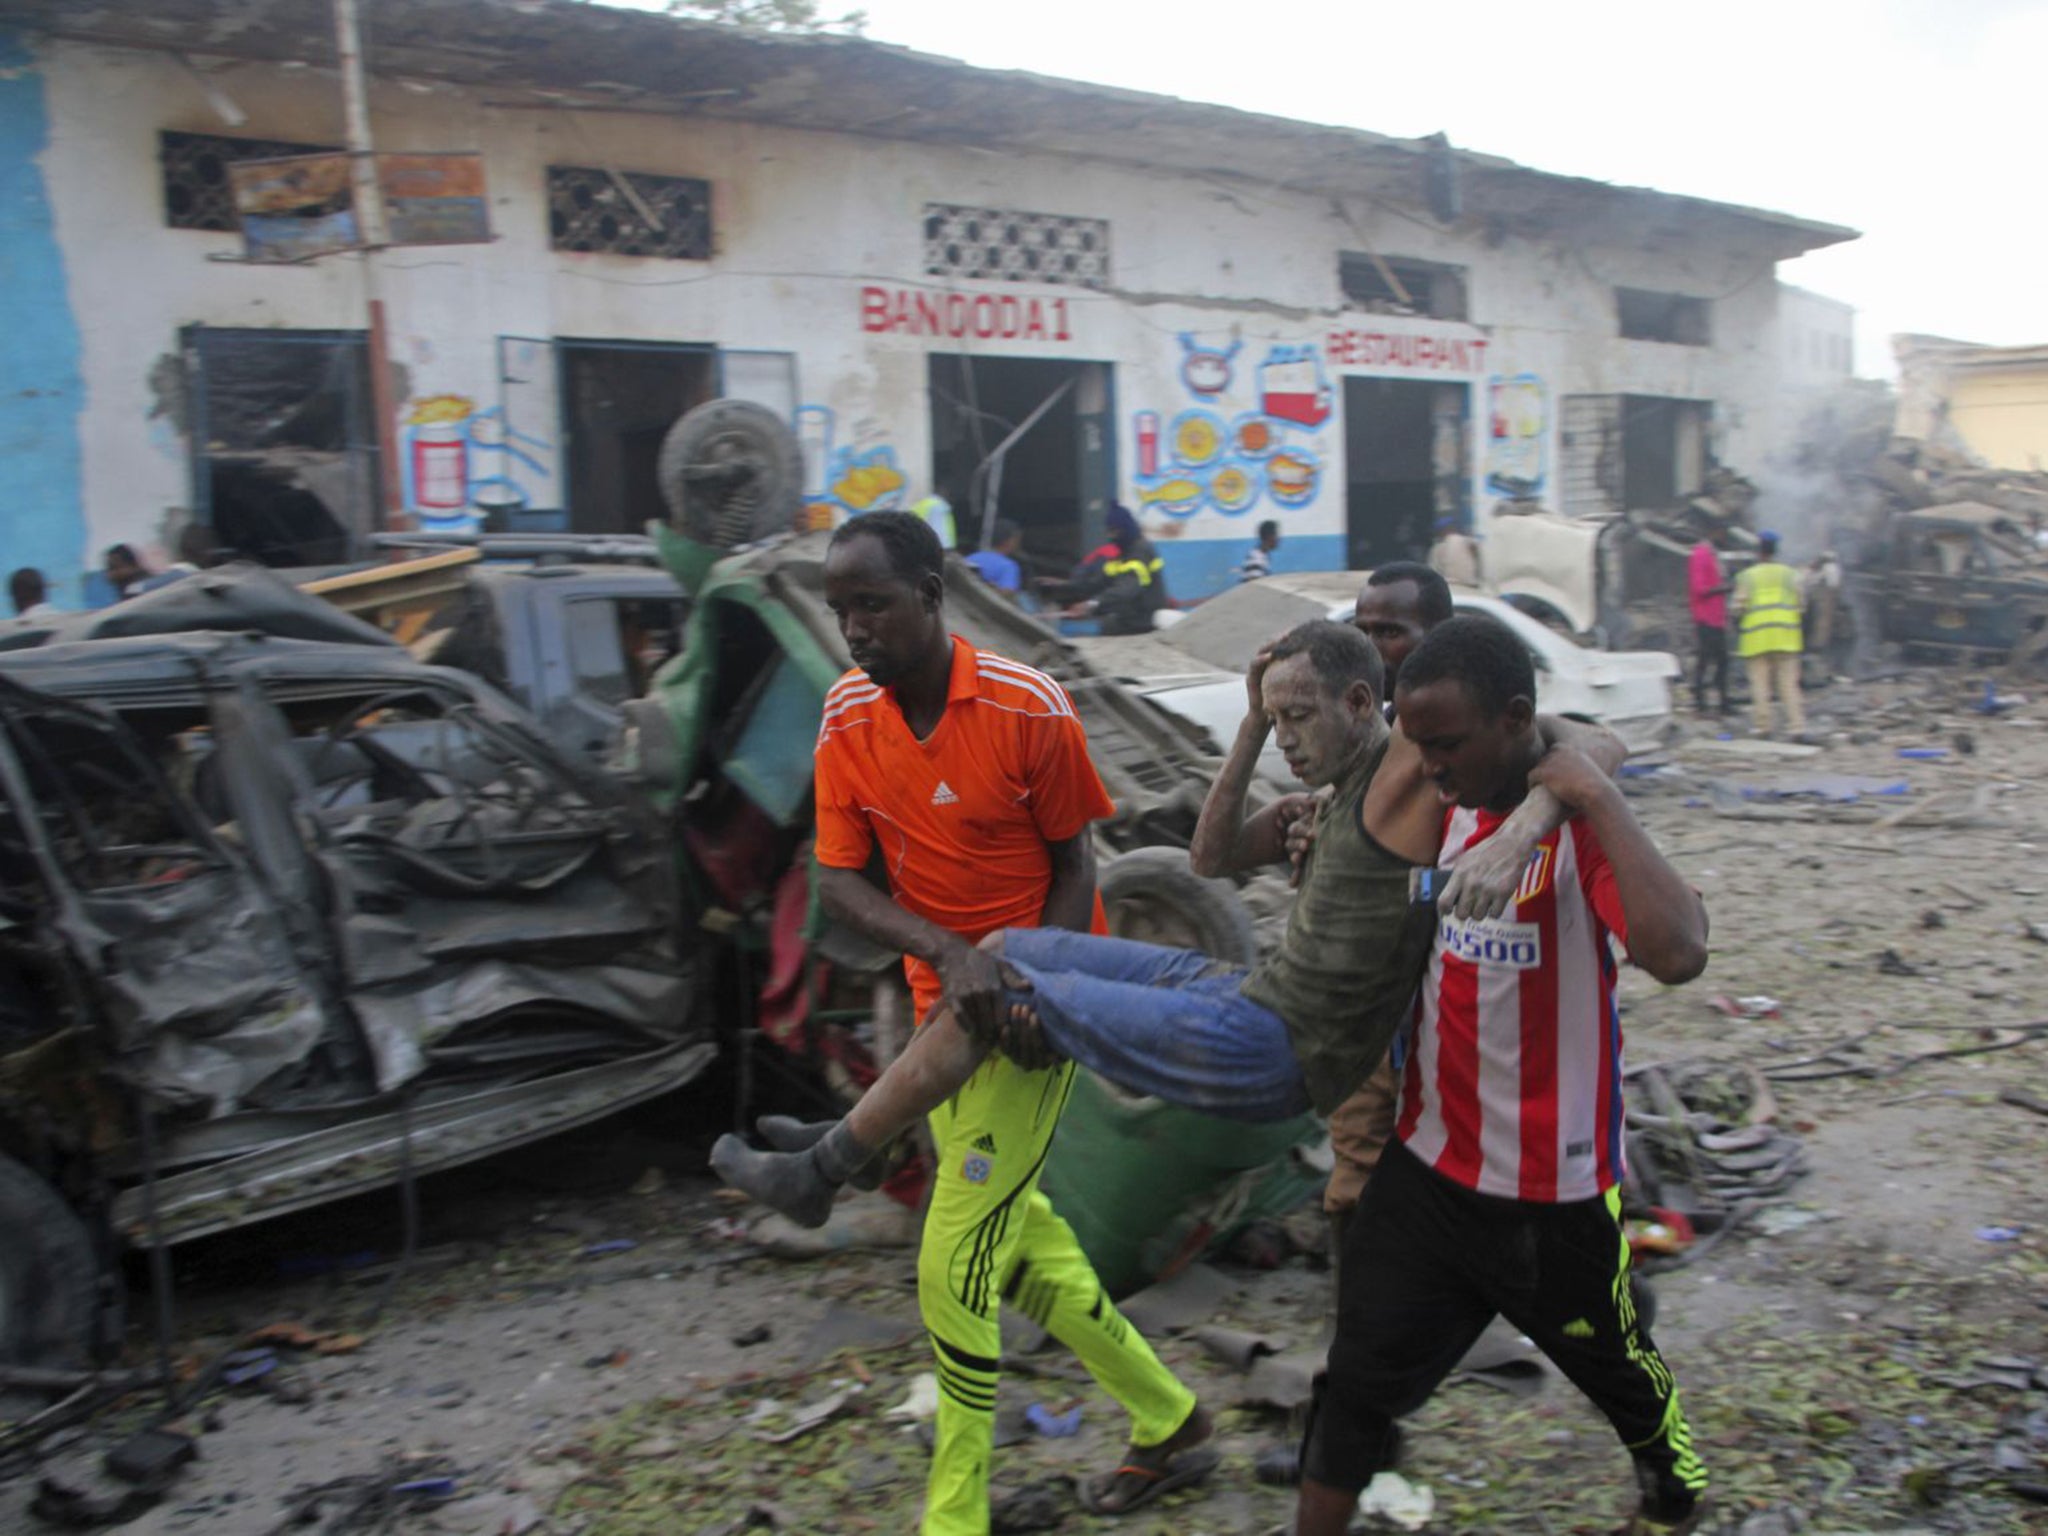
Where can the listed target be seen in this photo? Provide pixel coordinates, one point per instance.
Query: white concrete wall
(806, 227)
(1816, 339)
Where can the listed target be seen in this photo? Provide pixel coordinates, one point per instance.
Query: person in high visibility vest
(1768, 604)
(937, 513)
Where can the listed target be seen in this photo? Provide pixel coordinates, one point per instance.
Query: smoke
(1818, 492)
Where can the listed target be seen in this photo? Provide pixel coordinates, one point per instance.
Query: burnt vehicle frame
(1963, 578)
(284, 920)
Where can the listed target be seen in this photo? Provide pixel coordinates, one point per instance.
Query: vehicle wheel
(1151, 895)
(731, 473)
(49, 1277)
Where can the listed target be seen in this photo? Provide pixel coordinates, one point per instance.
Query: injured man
(1300, 1030)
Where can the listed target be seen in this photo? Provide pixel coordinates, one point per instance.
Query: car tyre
(49, 1275)
(1151, 894)
(731, 473)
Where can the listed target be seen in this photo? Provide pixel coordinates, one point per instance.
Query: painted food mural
(1255, 433)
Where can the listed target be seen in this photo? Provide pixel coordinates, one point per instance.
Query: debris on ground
(814, 1415)
(1041, 1506)
(1054, 1426)
(2019, 1098)
(371, 1501)
(1195, 1295)
(920, 1403)
(1851, 1056)
(1391, 1497)
(291, 1335)
(1705, 1148)
(862, 1222)
(1757, 1006)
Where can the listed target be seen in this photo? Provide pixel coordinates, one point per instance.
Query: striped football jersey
(1512, 1084)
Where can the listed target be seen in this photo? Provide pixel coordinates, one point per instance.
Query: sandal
(1146, 1483)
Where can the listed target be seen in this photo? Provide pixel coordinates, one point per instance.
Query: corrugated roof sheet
(540, 52)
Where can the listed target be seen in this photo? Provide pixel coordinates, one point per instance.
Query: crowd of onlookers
(122, 574)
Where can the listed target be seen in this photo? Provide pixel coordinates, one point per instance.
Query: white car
(1196, 667)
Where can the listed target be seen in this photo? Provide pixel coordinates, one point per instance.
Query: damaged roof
(571, 53)
(1967, 356)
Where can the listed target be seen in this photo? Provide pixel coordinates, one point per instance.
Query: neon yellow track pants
(991, 1237)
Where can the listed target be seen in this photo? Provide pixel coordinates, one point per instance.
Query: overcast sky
(1914, 121)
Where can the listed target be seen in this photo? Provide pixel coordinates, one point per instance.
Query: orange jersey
(963, 817)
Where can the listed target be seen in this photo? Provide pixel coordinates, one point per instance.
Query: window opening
(284, 441)
(1664, 450)
(617, 645)
(1672, 317)
(1006, 245)
(1402, 285)
(197, 192)
(618, 400)
(107, 811)
(629, 213)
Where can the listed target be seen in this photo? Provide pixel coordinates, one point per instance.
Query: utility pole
(374, 235)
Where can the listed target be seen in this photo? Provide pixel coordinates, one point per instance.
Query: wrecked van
(1961, 577)
(281, 918)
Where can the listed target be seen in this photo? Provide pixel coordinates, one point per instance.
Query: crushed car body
(317, 906)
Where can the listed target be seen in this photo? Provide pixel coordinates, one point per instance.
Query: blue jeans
(1171, 1023)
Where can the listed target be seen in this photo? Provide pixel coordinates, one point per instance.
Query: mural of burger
(1292, 476)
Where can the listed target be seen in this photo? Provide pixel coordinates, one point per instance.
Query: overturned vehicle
(1964, 579)
(282, 918)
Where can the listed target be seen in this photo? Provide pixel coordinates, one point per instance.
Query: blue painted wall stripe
(1204, 567)
(42, 390)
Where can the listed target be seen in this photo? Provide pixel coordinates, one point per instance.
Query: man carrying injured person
(1500, 1193)
(1301, 1029)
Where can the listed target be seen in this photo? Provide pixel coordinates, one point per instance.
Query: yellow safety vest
(1768, 595)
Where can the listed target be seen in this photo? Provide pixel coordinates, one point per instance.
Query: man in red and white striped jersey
(1514, 1085)
(1500, 1194)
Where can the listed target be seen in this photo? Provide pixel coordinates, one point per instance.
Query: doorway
(285, 460)
(1056, 480)
(1663, 449)
(1404, 466)
(619, 398)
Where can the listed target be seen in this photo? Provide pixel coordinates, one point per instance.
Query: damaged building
(1029, 295)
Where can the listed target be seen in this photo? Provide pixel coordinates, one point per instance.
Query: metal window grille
(1003, 245)
(197, 193)
(589, 210)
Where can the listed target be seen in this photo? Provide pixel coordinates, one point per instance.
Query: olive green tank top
(1346, 971)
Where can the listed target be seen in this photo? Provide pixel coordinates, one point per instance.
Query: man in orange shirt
(971, 774)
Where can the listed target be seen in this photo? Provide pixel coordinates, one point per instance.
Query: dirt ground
(1856, 1359)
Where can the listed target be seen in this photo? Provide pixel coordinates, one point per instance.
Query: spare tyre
(731, 473)
(49, 1276)
(1151, 894)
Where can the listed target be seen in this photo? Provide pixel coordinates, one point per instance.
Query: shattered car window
(616, 646)
(108, 818)
(448, 794)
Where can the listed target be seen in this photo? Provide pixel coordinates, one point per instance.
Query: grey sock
(786, 1133)
(793, 1183)
(840, 1156)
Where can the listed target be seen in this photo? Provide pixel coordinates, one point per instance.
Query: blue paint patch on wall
(42, 515)
(1204, 567)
